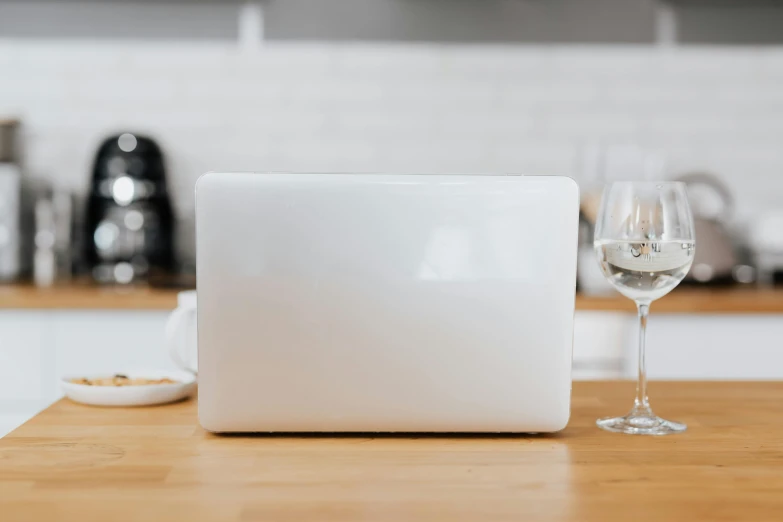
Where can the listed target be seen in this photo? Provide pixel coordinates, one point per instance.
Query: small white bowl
(142, 395)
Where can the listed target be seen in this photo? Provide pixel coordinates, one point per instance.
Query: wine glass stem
(641, 404)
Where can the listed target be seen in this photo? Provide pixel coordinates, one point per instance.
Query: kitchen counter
(682, 300)
(695, 300)
(74, 462)
(84, 296)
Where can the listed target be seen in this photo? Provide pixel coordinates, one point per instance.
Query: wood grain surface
(682, 300)
(87, 297)
(695, 300)
(78, 463)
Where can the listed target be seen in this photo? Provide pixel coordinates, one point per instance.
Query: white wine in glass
(645, 243)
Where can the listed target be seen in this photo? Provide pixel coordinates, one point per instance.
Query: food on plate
(121, 380)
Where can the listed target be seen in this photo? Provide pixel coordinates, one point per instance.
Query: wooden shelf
(685, 300)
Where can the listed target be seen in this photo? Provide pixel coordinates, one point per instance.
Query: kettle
(712, 205)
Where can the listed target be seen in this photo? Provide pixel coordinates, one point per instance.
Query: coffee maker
(10, 202)
(129, 219)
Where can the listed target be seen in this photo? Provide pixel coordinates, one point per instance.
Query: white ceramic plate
(143, 395)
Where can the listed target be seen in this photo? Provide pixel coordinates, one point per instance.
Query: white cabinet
(713, 347)
(38, 347)
(22, 363)
(600, 345)
(108, 341)
(25, 371)
(679, 346)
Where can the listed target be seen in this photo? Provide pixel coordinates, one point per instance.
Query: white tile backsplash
(396, 107)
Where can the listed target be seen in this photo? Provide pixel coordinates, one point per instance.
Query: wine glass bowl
(644, 242)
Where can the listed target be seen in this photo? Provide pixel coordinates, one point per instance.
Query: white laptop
(385, 303)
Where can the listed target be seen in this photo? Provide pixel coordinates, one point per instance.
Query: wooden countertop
(682, 300)
(695, 300)
(86, 297)
(74, 462)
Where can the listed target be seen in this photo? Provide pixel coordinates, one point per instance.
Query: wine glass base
(640, 425)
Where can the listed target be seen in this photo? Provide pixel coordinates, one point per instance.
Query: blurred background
(110, 110)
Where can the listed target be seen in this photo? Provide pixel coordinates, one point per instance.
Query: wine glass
(644, 241)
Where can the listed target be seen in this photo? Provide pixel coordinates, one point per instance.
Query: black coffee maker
(129, 220)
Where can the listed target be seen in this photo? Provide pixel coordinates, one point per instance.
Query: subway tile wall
(400, 108)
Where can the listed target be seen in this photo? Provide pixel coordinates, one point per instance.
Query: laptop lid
(336, 302)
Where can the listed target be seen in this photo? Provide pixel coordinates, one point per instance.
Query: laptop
(385, 303)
